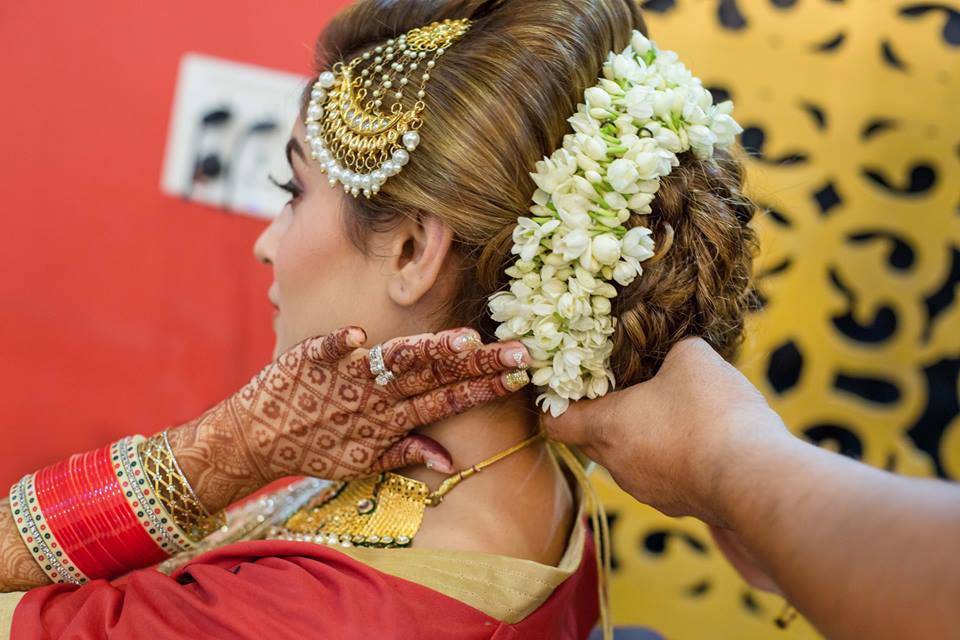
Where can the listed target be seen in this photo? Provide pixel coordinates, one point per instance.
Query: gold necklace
(382, 511)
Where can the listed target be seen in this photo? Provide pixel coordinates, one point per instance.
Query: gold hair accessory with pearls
(358, 127)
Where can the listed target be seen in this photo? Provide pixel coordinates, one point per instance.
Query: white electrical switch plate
(230, 125)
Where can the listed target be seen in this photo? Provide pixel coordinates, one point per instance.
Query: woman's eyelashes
(289, 186)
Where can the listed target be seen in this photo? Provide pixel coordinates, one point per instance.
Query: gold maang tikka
(358, 128)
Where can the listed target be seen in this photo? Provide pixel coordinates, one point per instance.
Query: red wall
(123, 310)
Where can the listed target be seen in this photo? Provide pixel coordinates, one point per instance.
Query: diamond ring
(377, 368)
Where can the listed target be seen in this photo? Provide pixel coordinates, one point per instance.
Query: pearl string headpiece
(358, 127)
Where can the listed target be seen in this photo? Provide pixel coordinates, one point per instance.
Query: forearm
(211, 455)
(18, 570)
(860, 552)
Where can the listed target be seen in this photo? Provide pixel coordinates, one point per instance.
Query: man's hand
(669, 441)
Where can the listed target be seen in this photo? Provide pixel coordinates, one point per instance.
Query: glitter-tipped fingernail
(518, 360)
(466, 342)
(516, 380)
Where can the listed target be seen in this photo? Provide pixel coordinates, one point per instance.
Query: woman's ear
(420, 249)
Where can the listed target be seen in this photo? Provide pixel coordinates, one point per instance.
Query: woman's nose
(262, 248)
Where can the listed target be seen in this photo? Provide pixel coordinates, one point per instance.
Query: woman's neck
(504, 508)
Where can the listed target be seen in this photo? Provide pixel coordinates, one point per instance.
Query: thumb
(592, 423)
(334, 346)
(413, 450)
(573, 425)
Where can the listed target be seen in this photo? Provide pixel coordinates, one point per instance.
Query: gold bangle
(174, 491)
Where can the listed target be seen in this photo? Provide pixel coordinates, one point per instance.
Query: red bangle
(126, 533)
(92, 517)
(99, 510)
(79, 491)
(60, 510)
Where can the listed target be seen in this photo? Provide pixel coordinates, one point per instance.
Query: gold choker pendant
(383, 511)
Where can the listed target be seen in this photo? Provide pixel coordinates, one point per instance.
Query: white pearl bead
(401, 157)
(365, 182)
(389, 168)
(354, 192)
(387, 84)
(327, 79)
(411, 139)
(378, 177)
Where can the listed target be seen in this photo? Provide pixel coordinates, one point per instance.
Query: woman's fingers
(335, 346)
(458, 397)
(483, 361)
(412, 450)
(405, 354)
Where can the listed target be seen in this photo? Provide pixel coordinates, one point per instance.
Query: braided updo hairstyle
(499, 103)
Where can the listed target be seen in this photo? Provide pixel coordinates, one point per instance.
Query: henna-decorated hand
(317, 410)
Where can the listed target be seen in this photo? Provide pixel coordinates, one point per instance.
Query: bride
(420, 142)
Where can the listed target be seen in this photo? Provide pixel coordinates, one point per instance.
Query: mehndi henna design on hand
(317, 411)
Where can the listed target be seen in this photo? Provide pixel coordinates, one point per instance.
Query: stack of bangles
(104, 513)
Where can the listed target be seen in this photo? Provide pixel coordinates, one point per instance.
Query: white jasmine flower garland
(647, 109)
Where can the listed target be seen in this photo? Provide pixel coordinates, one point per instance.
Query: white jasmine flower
(640, 44)
(625, 272)
(606, 249)
(622, 175)
(528, 234)
(593, 147)
(555, 170)
(640, 202)
(598, 98)
(639, 102)
(573, 244)
(638, 243)
(573, 209)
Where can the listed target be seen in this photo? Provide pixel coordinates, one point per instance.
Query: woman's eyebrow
(294, 146)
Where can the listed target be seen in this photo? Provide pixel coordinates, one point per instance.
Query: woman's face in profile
(321, 281)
